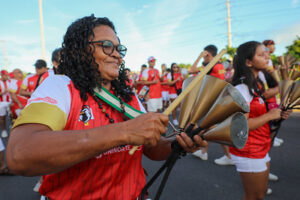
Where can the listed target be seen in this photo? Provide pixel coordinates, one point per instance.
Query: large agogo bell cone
(295, 92)
(275, 75)
(229, 101)
(210, 89)
(188, 102)
(295, 74)
(284, 88)
(233, 131)
(284, 73)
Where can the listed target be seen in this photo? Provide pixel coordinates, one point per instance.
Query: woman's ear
(248, 63)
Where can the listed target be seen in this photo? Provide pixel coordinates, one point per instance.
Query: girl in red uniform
(175, 80)
(253, 161)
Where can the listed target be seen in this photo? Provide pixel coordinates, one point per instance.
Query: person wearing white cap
(151, 78)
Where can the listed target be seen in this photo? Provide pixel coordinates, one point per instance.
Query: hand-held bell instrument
(223, 104)
(189, 88)
(289, 100)
(233, 131)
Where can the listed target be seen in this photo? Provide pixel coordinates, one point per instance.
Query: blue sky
(170, 30)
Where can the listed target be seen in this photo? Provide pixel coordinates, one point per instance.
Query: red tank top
(178, 84)
(165, 87)
(139, 86)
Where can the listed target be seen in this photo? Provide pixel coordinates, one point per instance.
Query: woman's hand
(274, 114)
(188, 144)
(285, 114)
(146, 129)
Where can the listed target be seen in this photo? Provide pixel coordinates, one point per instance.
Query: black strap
(38, 81)
(177, 152)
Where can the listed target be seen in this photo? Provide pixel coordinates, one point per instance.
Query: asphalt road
(193, 179)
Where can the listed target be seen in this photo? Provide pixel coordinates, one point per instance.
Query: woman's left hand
(188, 144)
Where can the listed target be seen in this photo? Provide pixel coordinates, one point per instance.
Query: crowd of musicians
(86, 143)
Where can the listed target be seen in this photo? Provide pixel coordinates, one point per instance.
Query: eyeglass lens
(108, 48)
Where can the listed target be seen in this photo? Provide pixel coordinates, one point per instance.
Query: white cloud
(26, 21)
(22, 52)
(295, 3)
(288, 34)
(14, 40)
(153, 40)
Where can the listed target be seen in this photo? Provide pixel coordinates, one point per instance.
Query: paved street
(193, 178)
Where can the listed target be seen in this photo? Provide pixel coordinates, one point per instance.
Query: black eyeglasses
(108, 47)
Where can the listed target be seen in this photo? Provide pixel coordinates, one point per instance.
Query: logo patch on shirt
(86, 115)
(261, 101)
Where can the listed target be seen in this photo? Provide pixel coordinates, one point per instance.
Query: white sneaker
(199, 154)
(273, 177)
(37, 186)
(276, 143)
(279, 140)
(269, 191)
(175, 122)
(4, 134)
(224, 160)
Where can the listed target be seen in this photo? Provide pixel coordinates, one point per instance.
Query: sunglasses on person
(108, 47)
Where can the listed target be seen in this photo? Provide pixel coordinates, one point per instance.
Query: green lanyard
(114, 102)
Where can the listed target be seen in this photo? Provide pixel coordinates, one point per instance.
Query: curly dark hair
(78, 63)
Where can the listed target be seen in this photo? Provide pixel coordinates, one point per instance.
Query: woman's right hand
(146, 129)
(274, 114)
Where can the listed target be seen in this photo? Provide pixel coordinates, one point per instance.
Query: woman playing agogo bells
(76, 140)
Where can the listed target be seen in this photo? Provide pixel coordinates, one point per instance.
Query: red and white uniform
(155, 101)
(130, 83)
(139, 86)
(5, 85)
(259, 140)
(15, 87)
(165, 88)
(150, 74)
(172, 89)
(218, 71)
(114, 174)
(5, 99)
(30, 82)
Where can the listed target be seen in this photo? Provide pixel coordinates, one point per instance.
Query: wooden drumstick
(183, 94)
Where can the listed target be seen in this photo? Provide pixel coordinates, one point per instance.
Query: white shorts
(4, 108)
(165, 95)
(244, 164)
(154, 104)
(173, 96)
(2, 147)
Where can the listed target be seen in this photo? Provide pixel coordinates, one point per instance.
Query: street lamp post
(42, 30)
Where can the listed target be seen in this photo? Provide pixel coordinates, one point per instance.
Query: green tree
(275, 60)
(294, 48)
(182, 65)
(231, 51)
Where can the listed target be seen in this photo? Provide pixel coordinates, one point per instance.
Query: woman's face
(108, 64)
(259, 61)
(175, 68)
